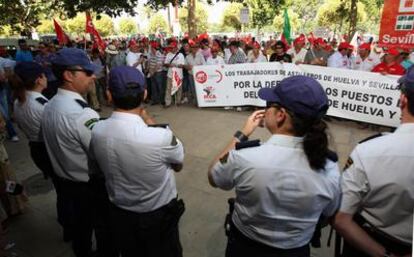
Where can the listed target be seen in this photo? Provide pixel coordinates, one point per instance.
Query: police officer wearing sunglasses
(284, 185)
(376, 213)
(66, 124)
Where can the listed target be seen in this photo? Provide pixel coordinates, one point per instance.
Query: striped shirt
(238, 57)
(155, 62)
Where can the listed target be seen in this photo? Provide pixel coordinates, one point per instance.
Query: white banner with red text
(355, 95)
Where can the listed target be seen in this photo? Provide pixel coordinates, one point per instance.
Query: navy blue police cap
(301, 95)
(125, 80)
(28, 71)
(74, 57)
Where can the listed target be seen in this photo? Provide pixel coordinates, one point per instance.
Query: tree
(76, 25)
(263, 11)
(201, 17)
(46, 27)
(22, 16)
(231, 17)
(306, 13)
(128, 26)
(295, 22)
(157, 24)
(333, 13)
(105, 26)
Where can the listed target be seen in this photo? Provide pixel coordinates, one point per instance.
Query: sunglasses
(88, 73)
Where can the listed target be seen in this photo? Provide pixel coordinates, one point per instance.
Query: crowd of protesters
(155, 59)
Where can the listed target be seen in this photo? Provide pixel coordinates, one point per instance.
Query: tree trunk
(191, 19)
(353, 18)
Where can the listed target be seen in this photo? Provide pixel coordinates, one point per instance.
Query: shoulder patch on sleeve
(90, 123)
(82, 103)
(174, 141)
(41, 100)
(247, 144)
(223, 160)
(348, 163)
(370, 137)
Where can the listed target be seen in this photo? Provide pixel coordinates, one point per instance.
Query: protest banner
(177, 80)
(397, 24)
(356, 95)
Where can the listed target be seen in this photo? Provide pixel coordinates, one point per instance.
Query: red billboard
(397, 24)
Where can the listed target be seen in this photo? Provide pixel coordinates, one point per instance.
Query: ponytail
(19, 90)
(19, 87)
(315, 143)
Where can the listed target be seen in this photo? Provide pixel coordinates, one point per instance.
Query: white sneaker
(185, 100)
(239, 109)
(15, 139)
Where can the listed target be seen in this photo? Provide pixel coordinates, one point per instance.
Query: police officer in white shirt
(376, 213)
(29, 81)
(340, 59)
(138, 160)
(365, 61)
(284, 185)
(66, 125)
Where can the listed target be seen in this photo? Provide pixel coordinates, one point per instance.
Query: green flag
(286, 35)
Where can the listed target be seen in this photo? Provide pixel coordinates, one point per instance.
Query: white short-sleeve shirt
(337, 60)
(365, 65)
(279, 197)
(175, 59)
(136, 161)
(28, 115)
(66, 125)
(379, 181)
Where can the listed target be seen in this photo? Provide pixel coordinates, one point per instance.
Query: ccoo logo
(201, 77)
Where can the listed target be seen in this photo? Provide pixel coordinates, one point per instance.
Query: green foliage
(231, 17)
(46, 27)
(333, 13)
(157, 23)
(22, 15)
(201, 18)
(128, 26)
(76, 25)
(263, 12)
(295, 22)
(104, 25)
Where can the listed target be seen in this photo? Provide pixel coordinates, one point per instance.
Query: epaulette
(82, 103)
(370, 137)
(332, 156)
(162, 125)
(247, 144)
(41, 100)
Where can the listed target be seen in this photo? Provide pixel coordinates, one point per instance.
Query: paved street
(204, 132)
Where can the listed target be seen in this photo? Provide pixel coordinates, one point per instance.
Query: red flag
(90, 28)
(60, 34)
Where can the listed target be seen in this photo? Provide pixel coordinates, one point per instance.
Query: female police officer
(284, 185)
(28, 82)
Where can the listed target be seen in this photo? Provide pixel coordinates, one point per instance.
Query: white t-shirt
(178, 60)
(337, 60)
(215, 61)
(365, 65)
(132, 58)
(297, 57)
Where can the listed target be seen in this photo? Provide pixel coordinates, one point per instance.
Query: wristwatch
(240, 136)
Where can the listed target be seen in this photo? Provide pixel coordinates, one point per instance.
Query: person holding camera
(137, 159)
(284, 185)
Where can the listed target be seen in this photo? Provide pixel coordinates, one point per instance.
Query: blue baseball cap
(301, 95)
(408, 79)
(28, 71)
(74, 57)
(125, 80)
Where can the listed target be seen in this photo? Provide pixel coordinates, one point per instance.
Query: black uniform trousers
(105, 239)
(151, 234)
(239, 245)
(41, 159)
(77, 198)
